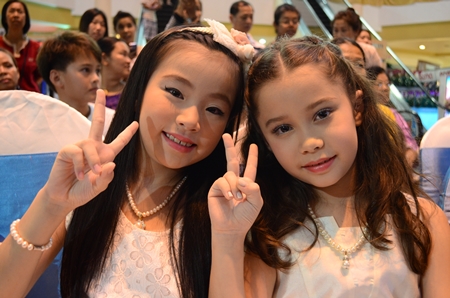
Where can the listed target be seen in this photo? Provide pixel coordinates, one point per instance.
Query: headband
(236, 41)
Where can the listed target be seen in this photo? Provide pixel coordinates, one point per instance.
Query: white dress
(319, 273)
(140, 265)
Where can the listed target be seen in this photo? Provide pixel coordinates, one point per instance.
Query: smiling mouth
(310, 165)
(175, 140)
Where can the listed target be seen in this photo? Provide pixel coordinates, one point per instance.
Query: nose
(96, 78)
(188, 119)
(311, 145)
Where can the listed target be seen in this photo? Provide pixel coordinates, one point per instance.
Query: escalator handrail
(397, 59)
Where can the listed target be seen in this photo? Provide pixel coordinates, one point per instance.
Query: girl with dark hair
(94, 23)
(132, 212)
(341, 214)
(346, 23)
(115, 68)
(16, 21)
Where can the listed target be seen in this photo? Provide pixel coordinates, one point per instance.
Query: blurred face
(311, 130)
(364, 37)
(97, 28)
(355, 56)
(342, 29)
(126, 29)
(382, 84)
(9, 74)
(15, 16)
(288, 24)
(80, 81)
(186, 106)
(119, 60)
(243, 20)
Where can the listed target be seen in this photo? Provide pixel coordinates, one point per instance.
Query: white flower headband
(235, 40)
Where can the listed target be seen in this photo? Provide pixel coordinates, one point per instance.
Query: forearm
(227, 267)
(17, 264)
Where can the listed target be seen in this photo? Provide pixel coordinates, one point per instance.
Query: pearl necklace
(140, 223)
(344, 251)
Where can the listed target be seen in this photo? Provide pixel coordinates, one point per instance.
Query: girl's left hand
(234, 202)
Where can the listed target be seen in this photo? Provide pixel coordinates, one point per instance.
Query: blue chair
(435, 163)
(33, 127)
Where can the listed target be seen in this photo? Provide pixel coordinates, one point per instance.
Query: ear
(358, 108)
(231, 19)
(56, 79)
(105, 59)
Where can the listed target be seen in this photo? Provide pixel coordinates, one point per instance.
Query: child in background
(70, 65)
(140, 223)
(341, 214)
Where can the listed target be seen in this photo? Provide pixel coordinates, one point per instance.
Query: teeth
(172, 138)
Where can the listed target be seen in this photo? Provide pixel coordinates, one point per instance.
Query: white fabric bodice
(318, 272)
(139, 266)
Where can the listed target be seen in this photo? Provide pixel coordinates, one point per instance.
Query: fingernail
(97, 168)
(242, 182)
(80, 175)
(239, 195)
(230, 194)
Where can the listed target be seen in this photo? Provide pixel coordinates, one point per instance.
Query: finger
(251, 191)
(123, 138)
(102, 181)
(232, 179)
(91, 155)
(231, 155)
(98, 117)
(221, 188)
(252, 163)
(74, 154)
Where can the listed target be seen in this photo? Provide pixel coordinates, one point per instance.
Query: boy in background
(70, 65)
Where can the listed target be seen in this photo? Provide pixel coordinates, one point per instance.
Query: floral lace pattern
(139, 265)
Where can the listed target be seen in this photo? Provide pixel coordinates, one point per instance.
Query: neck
(111, 83)
(15, 35)
(81, 107)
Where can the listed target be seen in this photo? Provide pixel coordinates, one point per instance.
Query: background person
(115, 68)
(16, 22)
(286, 20)
(9, 71)
(94, 23)
(241, 18)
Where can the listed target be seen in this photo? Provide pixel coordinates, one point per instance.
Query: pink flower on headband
(236, 41)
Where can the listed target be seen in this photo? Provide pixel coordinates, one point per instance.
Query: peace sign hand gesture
(83, 170)
(234, 202)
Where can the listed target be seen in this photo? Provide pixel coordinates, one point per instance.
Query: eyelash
(327, 110)
(176, 93)
(277, 130)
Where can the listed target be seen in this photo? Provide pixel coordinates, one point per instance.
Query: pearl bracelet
(23, 242)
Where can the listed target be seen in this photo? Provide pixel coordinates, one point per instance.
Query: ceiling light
(422, 47)
(262, 41)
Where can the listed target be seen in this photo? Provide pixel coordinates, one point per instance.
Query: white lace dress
(372, 273)
(139, 266)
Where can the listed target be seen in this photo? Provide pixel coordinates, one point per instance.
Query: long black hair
(90, 235)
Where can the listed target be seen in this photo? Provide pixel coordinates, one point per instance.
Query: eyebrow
(186, 82)
(309, 107)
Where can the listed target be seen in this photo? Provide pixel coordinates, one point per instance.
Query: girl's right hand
(82, 170)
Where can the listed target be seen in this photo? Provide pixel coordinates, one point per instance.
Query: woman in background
(115, 68)
(9, 72)
(94, 23)
(16, 21)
